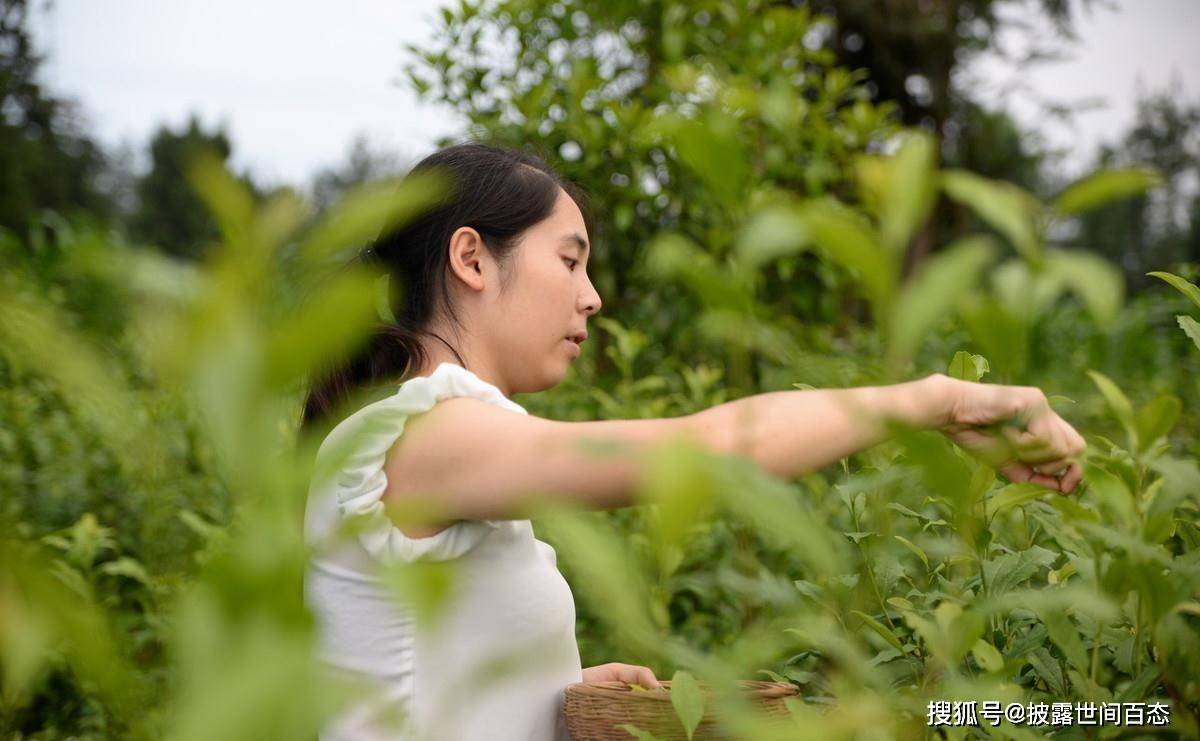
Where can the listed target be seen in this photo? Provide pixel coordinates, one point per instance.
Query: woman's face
(541, 315)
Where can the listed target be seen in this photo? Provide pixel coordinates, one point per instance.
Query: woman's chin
(554, 371)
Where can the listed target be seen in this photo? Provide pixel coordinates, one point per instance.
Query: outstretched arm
(474, 460)
(790, 433)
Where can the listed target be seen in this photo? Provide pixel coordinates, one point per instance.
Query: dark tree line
(49, 162)
(46, 161)
(909, 50)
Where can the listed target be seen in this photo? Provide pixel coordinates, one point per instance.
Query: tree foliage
(763, 212)
(170, 215)
(674, 116)
(46, 161)
(1163, 227)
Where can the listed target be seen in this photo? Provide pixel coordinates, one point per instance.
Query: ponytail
(388, 355)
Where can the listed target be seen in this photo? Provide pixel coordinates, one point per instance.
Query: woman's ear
(469, 257)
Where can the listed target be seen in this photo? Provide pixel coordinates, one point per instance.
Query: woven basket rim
(624, 691)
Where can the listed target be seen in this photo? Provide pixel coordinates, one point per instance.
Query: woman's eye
(571, 262)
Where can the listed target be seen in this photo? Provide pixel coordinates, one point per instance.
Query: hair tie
(370, 256)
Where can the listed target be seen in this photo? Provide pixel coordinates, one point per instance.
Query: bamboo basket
(595, 711)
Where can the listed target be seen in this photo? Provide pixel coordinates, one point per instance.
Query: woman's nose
(591, 300)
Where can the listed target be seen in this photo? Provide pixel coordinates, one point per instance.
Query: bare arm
(790, 433)
(478, 461)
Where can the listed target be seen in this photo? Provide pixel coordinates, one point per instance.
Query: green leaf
(933, 292)
(1066, 636)
(1009, 571)
(1048, 670)
(987, 656)
(1157, 418)
(1140, 686)
(1058, 401)
(1103, 187)
(638, 733)
(907, 511)
(675, 257)
(858, 536)
(851, 243)
(884, 632)
(1113, 495)
(909, 194)
(327, 325)
(712, 147)
(779, 514)
(1013, 495)
(370, 210)
(962, 631)
(127, 567)
(1096, 281)
(1002, 335)
(676, 479)
(688, 701)
(1187, 289)
(227, 198)
(771, 233)
(603, 562)
(1181, 479)
(914, 548)
(1117, 402)
(426, 586)
(968, 367)
(1005, 207)
(1190, 327)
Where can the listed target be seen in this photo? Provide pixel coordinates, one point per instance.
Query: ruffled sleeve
(360, 445)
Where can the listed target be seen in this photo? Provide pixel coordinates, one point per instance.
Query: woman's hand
(627, 673)
(1013, 429)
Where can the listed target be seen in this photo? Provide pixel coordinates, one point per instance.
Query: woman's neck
(438, 350)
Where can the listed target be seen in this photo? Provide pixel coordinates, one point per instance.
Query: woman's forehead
(566, 209)
(565, 221)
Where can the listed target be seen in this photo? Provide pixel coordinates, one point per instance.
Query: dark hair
(498, 191)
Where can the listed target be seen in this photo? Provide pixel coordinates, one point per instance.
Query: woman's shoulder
(418, 395)
(383, 450)
(449, 380)
(457, 409)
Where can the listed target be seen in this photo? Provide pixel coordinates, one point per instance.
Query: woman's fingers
(1062, 475)
(985, 445)
(1030, 446)
(639, 675)
(1071, 478)
(1041, 452)
(646, 678)
(1056, 467)
(1021, 472)
(1047, 432)
(618, 672)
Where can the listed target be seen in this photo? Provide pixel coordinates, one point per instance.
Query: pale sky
(295, 81)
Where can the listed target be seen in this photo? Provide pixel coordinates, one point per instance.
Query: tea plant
(152, 480)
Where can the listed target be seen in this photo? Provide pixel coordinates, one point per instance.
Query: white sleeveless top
(509, 609)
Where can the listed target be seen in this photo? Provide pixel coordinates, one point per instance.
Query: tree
(46, 162)
(1163, 226)
(364, 164)
(911, 49)
(170, 214)
(676, 116)
(912, 52)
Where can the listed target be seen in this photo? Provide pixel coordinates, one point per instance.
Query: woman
(497, 299)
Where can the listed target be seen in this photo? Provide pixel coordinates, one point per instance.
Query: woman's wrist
(926, 403)
(940, 396)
